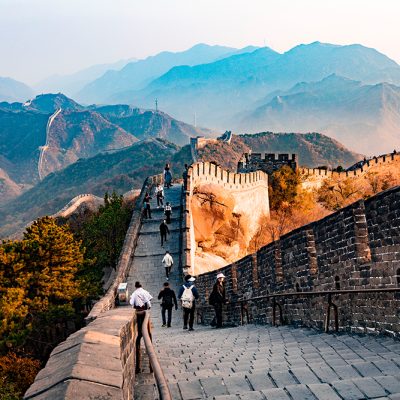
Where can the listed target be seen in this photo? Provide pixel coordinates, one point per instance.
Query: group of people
(164, 230)
(187, 295)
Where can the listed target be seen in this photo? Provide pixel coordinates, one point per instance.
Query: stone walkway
(255, 362)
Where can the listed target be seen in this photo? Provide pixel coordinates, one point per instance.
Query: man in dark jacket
(146, 206)
(168, 300)
(218, 298)
(188, 313)
(164, 230)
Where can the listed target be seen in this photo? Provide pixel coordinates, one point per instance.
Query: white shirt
(140, 297)
(167, 260)
(160, 191)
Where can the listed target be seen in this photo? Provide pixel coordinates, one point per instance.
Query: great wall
(342, 272)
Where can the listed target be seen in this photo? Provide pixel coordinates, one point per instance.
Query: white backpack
(187, 297)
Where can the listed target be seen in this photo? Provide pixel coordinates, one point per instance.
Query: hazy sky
(42, 37)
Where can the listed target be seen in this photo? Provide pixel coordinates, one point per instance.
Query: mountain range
(136, 75)
(71, 84)
(349, 92)
(362, 117)
(51, 132)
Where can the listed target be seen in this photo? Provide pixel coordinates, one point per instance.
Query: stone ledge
(90, 364)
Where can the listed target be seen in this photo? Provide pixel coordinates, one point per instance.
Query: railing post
(273, 312)
(328, 315)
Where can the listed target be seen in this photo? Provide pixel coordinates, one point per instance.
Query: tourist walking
(160, 195)
(168, 300)
(218, 298)
(168, 263)
(168, 212)
(167, 176)
(187, 295)
(146, 205)
(140, 301)
(164, 230)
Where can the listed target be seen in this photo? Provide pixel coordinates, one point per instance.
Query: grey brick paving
(258, 362)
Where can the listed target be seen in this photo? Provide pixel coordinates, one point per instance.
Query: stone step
(297, 382)
(222, 388)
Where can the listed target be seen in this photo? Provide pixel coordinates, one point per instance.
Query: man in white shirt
(140, 301)
(160, 195)
(168, 263)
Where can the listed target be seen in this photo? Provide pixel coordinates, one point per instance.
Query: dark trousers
(168, 217)
(218, 314)
(147, 211)
(139, 320)
(167, 271)
(169, 310)
(160, 201)
(188, 314)
(163, 237)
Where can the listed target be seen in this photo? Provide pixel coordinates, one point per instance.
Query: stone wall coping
(90, 357)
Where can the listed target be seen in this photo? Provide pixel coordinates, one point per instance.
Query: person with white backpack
(188, 295)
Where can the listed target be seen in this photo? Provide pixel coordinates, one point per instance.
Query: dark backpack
(168, 298)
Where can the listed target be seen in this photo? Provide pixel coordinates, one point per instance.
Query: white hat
(192, 279)
(220, 275)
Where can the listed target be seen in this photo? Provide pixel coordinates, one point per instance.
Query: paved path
(256, 362)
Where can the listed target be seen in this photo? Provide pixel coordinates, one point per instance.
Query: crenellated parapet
(356, 170)
(241, 185)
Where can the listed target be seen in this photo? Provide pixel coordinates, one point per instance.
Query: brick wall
(357, 247)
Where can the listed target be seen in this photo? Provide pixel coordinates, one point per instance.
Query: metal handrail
(329, 293)
(318, 293)
(162, 385)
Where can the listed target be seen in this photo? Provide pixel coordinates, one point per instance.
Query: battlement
(356, 170)
(208, 172)
(267, 162)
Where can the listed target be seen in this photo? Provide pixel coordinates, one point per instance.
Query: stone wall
(96, 362)
(324, 173)
(355, 248)
(243, 186)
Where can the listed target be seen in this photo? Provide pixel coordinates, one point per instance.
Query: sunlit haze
(42, 37)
